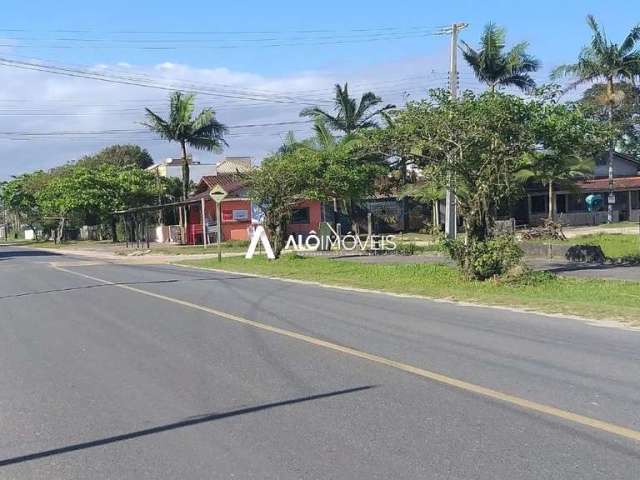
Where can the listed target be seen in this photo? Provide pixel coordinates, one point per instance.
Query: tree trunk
(114, 230)
(551, 205)
(185, 184)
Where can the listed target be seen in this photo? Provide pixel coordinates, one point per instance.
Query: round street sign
(218, 194)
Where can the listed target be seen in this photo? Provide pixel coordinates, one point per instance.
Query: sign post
(218, 194)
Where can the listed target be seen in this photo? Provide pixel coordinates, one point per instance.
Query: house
(172, 167)
(570, 206)
(238, 212)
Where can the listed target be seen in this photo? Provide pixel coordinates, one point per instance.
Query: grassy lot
(614, 245)
(603, 299)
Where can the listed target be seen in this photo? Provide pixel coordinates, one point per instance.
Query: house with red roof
(570, 206)
(237, 211)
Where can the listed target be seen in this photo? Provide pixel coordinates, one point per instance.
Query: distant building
(570, 207)
(172, 167)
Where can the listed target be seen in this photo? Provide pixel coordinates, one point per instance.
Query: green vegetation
(604, 299)
(79, 195)
(497, 68)
(118, 156)
(614, 245)
(203, 132)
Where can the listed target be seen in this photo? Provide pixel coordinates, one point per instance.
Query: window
(635, 200)
(241, 215)
(538, 204)
(576, 202)
(300, 215)
(561, 203)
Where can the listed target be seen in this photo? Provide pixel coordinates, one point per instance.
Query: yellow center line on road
(420, 372)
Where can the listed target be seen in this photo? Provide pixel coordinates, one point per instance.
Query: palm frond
(630, 41)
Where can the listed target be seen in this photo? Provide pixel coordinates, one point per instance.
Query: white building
(172, 167)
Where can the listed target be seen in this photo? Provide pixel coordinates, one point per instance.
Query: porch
(570, 208)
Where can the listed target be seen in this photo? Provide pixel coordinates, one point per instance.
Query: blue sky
(373, 44)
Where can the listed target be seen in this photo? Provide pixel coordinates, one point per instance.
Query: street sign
(218, 194)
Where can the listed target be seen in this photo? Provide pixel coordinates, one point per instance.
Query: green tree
(626, 115)
(480, 142)
(118, 155)
(496, 67)
(19, 198)
(348, 114)
(567, 143)
(202, 132)
(277, 187)
(604, 60)
(95, 193)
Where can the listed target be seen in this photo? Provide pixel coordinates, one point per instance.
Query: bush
(406, 248)
(482, 260)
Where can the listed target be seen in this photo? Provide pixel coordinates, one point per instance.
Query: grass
(614, 245)
(602, 299)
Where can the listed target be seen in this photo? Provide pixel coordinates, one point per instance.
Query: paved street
(154, 371)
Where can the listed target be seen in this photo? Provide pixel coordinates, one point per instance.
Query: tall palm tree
(604, 60)
(496, 67)
(202, 132)
(350, 115)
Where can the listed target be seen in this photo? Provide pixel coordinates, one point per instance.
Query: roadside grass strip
(539, 291)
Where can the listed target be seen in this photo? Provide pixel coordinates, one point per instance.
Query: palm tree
(203, 132)
(350, 115)
(604, 60)
(495, 67)
(551, 169)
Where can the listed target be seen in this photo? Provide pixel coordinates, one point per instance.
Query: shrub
(406, 248)
(486, 259)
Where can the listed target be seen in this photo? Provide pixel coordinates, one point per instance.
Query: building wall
(237, 229)
(232, 229)
(315, 217)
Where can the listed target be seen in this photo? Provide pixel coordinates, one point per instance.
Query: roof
(602, 184)
(627, 157)
(230, 182)
(233, 184)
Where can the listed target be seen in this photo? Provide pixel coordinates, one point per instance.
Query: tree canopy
(202, 131)
(118, 156)
(496, 67)
(348, 114)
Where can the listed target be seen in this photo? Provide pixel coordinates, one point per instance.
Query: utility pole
(451, 217)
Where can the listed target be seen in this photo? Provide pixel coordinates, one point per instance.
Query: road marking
(420, 372)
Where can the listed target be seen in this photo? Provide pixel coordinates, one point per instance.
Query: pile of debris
(550, 230)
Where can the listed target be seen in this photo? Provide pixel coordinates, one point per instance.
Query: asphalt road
(150, 372)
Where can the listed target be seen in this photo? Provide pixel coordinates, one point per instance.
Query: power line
(260, 43)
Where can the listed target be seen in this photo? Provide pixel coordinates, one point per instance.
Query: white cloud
(32, 101)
